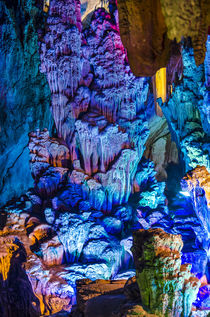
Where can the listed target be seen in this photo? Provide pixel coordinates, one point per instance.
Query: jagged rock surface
(183, 115)
(188, 19)
(169, 21)
(166, 287)
(101, 118)
(146, 52)
(60, 60)
(197, 184)
(25, 95)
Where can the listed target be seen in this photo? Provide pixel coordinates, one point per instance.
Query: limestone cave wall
(104, 144)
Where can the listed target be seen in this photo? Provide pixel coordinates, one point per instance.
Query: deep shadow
(16, 294)
(3, 219)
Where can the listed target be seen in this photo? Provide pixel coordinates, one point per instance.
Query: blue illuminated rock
(51, 181)
(112, 225)
(25, 94)
(92, 185)
(184, 112)
(197, 184)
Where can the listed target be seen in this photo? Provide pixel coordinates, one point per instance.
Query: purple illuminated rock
(103, 124)
(60, 59)
(51, 181)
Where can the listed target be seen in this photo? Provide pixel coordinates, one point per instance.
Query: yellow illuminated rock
(160, 88)
(46, 5)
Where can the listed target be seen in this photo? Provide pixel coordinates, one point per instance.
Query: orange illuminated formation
(46, 5)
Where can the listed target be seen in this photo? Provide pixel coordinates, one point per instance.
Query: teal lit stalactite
(185, 110)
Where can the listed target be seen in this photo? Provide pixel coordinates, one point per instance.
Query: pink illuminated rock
(117, 93)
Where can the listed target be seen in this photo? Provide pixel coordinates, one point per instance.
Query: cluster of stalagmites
(166, 287)
(84, 243)
(162, 285)
(91, 185)
(97, 104)
(33, 288)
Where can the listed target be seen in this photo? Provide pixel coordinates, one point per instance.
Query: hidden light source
(185, 193)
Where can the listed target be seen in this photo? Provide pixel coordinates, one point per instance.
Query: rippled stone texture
(166, 287)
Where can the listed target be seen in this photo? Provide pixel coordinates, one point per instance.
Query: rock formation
(167, 288)
(111, 164)
(188, 20)
(60, 57)
(101, 104)
(35, 288)
(17, 297)
(148, 51)
(25, 95)
(197, 184)
(183, 112)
